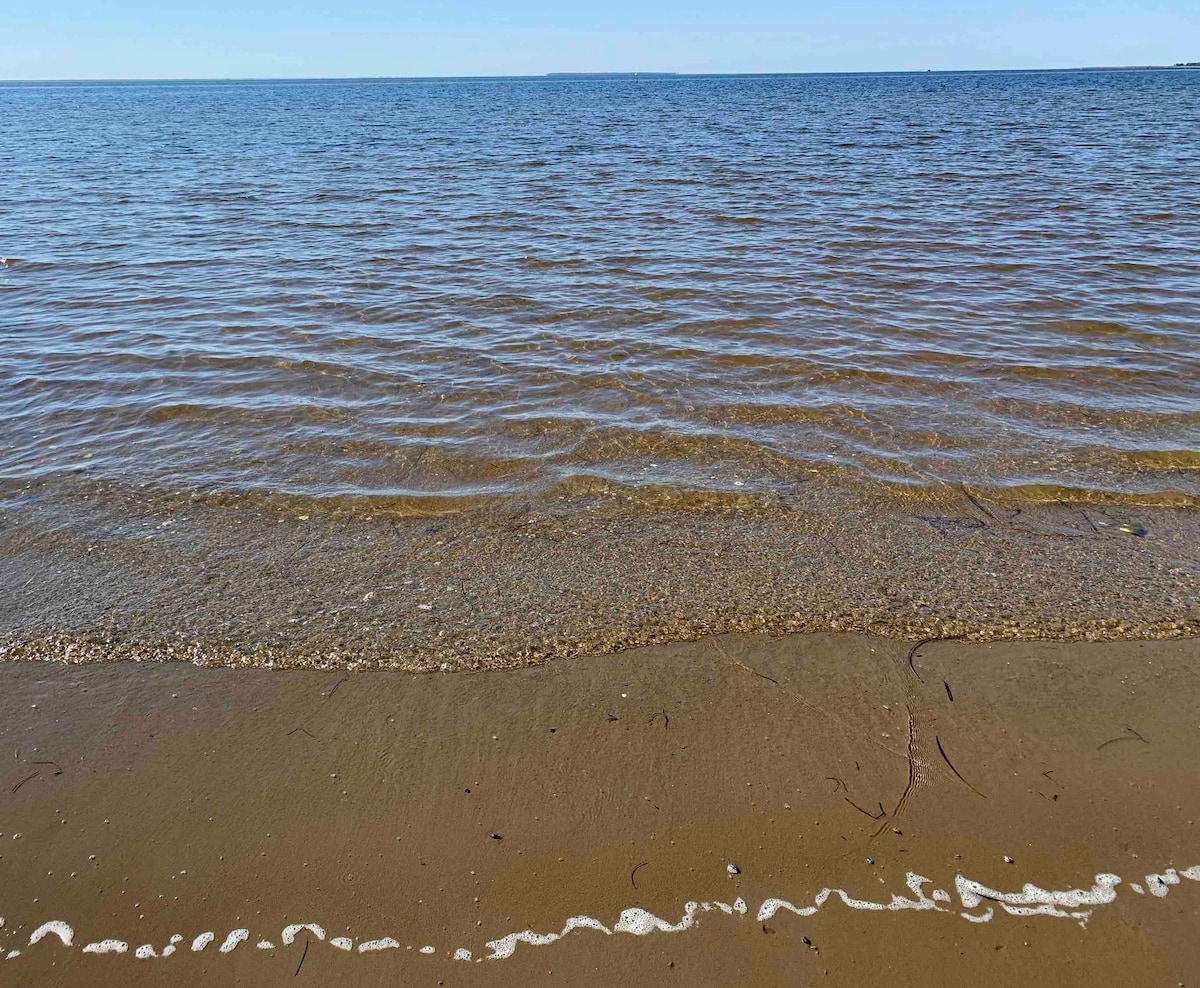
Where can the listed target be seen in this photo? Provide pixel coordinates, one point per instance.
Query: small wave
(1163, 459)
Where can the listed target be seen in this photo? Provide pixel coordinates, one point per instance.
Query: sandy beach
(998, 813)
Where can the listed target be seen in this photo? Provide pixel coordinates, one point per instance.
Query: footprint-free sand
(998, 813)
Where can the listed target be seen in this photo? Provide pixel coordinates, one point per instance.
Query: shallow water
(476, 288)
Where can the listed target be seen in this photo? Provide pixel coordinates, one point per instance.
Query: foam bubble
(289, 932)
(1157, 884)
(55, 926)
(387, 943)
(106, 947)
(235, 937)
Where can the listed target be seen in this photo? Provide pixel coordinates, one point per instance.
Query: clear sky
(80, 39)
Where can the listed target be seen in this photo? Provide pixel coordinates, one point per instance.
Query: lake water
(466, 289)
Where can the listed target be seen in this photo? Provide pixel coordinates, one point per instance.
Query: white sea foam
(1157, 884)
(977, 903)
(235, 937)
(505, 946)
(106, 947)
(387, 943)
(55, 926)
(289, 932)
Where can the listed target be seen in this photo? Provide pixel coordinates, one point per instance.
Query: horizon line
(568, 75)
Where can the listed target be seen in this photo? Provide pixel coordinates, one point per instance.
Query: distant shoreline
(594, 76)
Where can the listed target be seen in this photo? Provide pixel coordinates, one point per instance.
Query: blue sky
(74, 39)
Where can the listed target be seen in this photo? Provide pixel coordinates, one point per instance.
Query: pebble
(733, 869)
(1007, 859)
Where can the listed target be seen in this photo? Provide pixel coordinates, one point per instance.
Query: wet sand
(448, 811)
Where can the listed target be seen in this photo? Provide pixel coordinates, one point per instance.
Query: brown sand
(365, 801)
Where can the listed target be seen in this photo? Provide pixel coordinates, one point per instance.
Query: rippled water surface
(465, 288)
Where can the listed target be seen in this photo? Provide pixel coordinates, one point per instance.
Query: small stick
(840, 784)
(882, 811)
(1135, 737)
(1049, 773)
(334, 689)
(946, 758)
(975, 501)
(739, 662)
(632, 874)
(912, 653)
(24, 780)
(948, 691)
(302, 956)
(302, 731)
(57, 767)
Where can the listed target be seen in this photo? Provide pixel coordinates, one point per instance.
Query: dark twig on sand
(666, 719)
(739, 662)
(1132, 735)
(912, 652)
(24, 780)
(839, 786)
(948, 691)
(333, 689)
(633, 874)
(302, 731)
(302, 956)
(1050, 772)
(946, 759)
(57, 767)
(975, 501)
(882, 811)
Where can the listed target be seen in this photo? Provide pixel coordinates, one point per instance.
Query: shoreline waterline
(259, 581)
